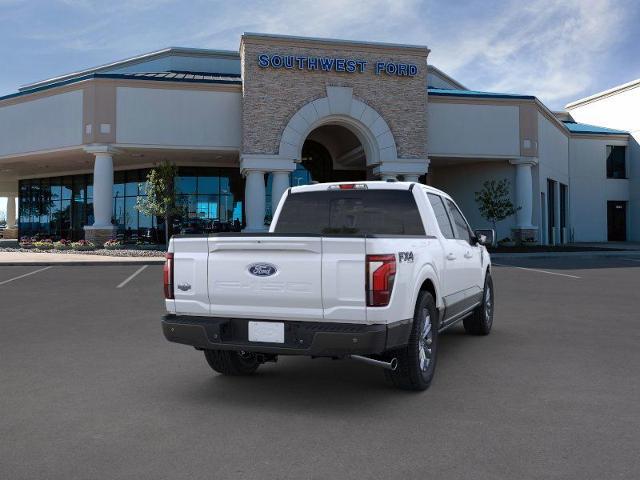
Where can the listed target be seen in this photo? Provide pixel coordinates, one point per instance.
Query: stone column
(11, 211)
(524, 229)
(102, 228)
(253, 166)
(255, 200)
(279, 185)
(11, 232)
(409, 169)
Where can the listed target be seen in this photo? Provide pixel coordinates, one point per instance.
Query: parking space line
(132, 276)
(25, 275)
(536, 270)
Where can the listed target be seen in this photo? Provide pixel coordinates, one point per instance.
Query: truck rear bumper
(321, 339)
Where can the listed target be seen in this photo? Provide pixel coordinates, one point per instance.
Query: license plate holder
(266, 332)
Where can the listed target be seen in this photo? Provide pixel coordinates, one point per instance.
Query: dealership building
(244, 126)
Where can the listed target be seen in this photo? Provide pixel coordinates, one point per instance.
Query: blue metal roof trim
(229, 79)
(444, 92)
(585, 128)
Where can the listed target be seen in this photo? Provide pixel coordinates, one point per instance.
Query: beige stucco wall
(619, 110)
(461, 181)
(178, 117)
(461, 129)
(272, 96)
(45, 123)
(590, 189)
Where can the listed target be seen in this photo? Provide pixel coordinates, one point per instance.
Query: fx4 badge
(405, 257)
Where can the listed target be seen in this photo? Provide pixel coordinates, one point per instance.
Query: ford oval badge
(262, 269)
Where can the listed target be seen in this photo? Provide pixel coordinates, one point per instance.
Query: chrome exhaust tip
(391, 365)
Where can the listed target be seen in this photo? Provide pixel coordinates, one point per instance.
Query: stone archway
(339, 107)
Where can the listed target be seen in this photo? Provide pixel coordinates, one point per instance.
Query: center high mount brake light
(348, 186)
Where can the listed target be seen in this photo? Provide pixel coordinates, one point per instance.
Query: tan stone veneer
(271, 96)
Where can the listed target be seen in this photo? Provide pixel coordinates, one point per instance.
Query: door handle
(468, 254)
(451, 256)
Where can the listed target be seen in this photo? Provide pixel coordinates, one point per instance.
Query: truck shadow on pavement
(319, 386)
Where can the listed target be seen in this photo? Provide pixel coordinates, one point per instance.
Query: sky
(557, 50)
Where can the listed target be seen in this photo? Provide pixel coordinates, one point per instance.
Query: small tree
(160, 199)
(494, 201)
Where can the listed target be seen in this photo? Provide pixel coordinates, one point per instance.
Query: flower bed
(112, 248)
(43, 244)
(62, 245)
(113, 245)
(131, 252)
(26, 242)
(83, 245)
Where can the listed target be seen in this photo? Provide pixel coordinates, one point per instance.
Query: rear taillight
(381, 273)
(167, 273)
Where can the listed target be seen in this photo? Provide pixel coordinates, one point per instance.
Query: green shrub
(62, 245)
(43, 244)
(83, 245)
(113, 244)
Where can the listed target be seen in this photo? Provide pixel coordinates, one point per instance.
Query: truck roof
(371, 185)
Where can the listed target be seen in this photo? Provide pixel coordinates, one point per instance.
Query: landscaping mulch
(101, 252)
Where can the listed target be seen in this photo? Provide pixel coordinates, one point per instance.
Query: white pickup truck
(371, 271)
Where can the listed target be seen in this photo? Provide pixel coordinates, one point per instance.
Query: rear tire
(232, 363)
(481, 320)
(417, 361)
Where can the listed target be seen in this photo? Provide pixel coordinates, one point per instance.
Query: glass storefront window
(186, 184)
(67, 189)
(131, 214)
(131, 186)
(89, 184)
(300, 176)
(208, 185)
(60, 207)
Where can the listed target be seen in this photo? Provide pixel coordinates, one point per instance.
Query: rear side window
(442, 216)
(462, 229)
(351, 212)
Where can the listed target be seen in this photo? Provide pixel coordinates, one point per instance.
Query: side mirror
(485, 237)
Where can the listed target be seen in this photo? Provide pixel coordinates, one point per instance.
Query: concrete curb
(617, 253)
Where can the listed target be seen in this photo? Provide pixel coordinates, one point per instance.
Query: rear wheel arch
(428, 283)
(487, 273)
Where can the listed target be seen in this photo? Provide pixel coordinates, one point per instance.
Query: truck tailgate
(270, 277)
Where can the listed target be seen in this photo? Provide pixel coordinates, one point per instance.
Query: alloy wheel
(425, 342)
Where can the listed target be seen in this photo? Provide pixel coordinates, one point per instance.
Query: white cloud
(548, 48)
(544, 47)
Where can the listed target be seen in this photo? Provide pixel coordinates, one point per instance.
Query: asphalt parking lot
(90, 389)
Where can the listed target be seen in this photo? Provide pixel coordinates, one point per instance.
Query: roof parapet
(133, 61)
(603, 94)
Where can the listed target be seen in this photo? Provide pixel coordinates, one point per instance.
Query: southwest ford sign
(335, 64)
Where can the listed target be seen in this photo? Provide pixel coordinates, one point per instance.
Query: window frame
(470, 234)
(608, 150)
(446, 211)
(333, 206)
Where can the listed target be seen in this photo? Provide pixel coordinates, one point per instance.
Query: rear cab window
(350, 212)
